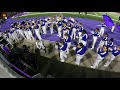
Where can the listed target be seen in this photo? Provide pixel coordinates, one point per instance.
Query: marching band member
(50, 25)
(22, 32)
(30, 33)
(80, 30)
(6, 37)
(39, 45)
(102, 53)
(44, 27)
(14, 35)
(51, 28)
(95, 37)
(46, 20)
(26, 33)
(38, 22)
(109, 44)
(68, 41)
(80, 52)
(64, 31)
(84, 37)
(103, 41)
(74, 31)
(71, 19)
(37, 32)
(69, 31)
(102, 29)
(64, 20)
(10, 36)
(63, 48)
(59, 28)
(115, 53)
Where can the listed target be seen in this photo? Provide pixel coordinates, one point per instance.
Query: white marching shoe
(76, 63)
(92, 67)
(62, 60)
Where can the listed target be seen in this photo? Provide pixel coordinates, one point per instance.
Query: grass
(96, 15)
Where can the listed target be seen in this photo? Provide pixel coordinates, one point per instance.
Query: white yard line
(95, 13)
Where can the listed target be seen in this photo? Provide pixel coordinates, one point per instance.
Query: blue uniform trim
(81, 29)
(116, 52)
(104, 39)
(84, 37)
(43, 24)
(102, 53)
(110, 44)
(63, 47)
(81, 51)
(59, 24)
(68, 39)
(96, 34)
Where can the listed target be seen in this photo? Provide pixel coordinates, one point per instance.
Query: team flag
(108, 21)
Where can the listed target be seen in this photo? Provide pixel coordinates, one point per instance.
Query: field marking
(62, 12)
(95, 13)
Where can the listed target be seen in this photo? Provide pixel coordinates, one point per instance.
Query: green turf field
(90, 15)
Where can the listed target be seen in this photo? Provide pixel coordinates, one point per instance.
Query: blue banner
(108, 21)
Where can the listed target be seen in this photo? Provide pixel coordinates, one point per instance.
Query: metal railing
(8, 65)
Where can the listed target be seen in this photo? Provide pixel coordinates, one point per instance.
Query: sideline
(28, 14)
